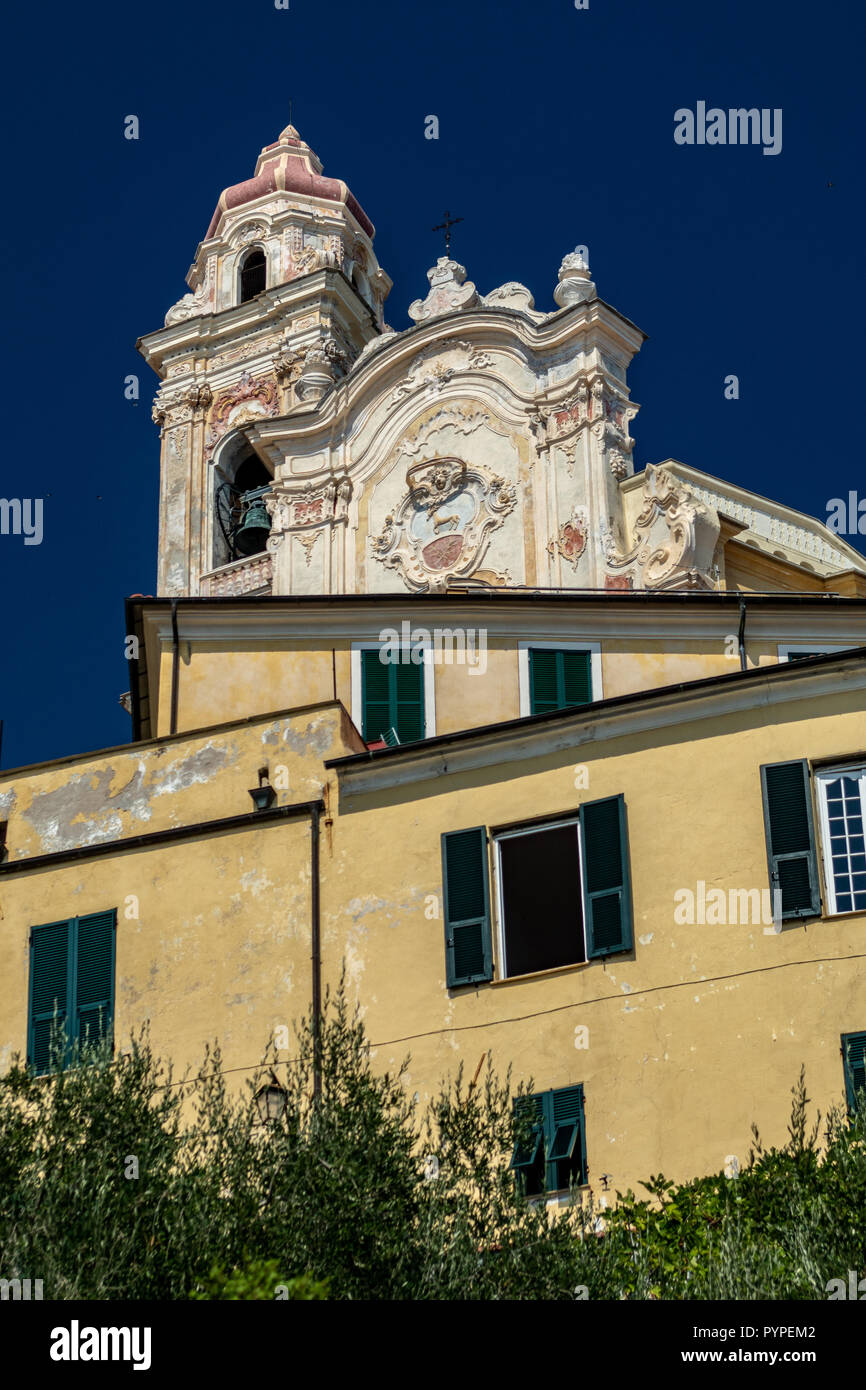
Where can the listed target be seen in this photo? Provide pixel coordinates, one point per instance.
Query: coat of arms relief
(441, 528)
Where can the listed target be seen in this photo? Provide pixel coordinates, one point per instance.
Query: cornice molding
(527, 740)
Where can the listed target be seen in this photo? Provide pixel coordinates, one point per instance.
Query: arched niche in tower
(252, 274)
(236, 472)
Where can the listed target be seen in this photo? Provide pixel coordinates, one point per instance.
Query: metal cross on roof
(446, 227)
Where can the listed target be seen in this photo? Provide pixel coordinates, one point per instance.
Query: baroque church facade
(558, 760)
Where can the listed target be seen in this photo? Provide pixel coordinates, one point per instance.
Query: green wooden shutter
(854, 1058)
(468, 947)
(94, 980)
(392, 697)
(566, 1137)
(576, 678)
(408, 682)
(790, 834)
(607, 911)
(528, 1145)
(375, 701)
(558, 679)
(50, 975)
(543, 686)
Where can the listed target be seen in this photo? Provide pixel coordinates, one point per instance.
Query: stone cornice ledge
(522, 740)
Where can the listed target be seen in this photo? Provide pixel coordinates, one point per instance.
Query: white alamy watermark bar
(713, 907)
(22, 516)
(20, 1289)
(460, 646)
(736, 126)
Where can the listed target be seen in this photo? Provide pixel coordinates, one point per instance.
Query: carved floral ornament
(591, 403)
(570, 542)
(172, 408)
(249, 399)
(294, 511)
(441, 527)
(680, 559)
(250, 231)
(462, 357)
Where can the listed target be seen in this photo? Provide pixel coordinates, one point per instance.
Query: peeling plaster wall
(172, 782)
(219, 946)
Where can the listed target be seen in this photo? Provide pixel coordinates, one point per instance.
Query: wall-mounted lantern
(263, 795)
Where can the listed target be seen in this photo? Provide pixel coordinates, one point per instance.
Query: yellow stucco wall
(218, 682)
(698, 1032)
(696, 1035)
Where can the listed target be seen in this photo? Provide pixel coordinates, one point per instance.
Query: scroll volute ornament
(682, 558)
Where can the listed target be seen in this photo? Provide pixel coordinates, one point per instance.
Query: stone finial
(574, 286)
(447, 293)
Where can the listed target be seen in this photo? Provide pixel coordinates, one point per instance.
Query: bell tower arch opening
(252, 274)
(240, 483)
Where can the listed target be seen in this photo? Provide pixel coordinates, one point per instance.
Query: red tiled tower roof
(290, 165)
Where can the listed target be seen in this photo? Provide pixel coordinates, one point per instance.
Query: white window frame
(429, 694)
(594, 649)
(819, 648)
(501, 957)
(822, 776)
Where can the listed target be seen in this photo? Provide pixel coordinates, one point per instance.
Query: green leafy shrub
(119, 1181)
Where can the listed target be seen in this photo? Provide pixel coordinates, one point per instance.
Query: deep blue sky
(556, 128)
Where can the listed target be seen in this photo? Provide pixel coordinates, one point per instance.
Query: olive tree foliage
(119, 1180)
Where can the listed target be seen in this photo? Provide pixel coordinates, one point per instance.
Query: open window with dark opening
(254, 274)
(542, 915)
(565, 890)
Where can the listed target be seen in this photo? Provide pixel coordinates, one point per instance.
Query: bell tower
(284, 293)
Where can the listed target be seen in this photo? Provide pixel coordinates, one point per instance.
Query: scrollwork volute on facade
(462, 357)
(193, 305)
(682, 559)
(441, 528)
(287, 365)
(538, 421)
(449, 291)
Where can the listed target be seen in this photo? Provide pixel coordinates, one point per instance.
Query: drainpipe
(316, 954)
(741, 635)
(175, 667)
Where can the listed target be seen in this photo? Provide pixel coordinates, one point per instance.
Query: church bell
(253, 532)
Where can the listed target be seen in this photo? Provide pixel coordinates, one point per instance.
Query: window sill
(563, 1196)
(541, 974)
